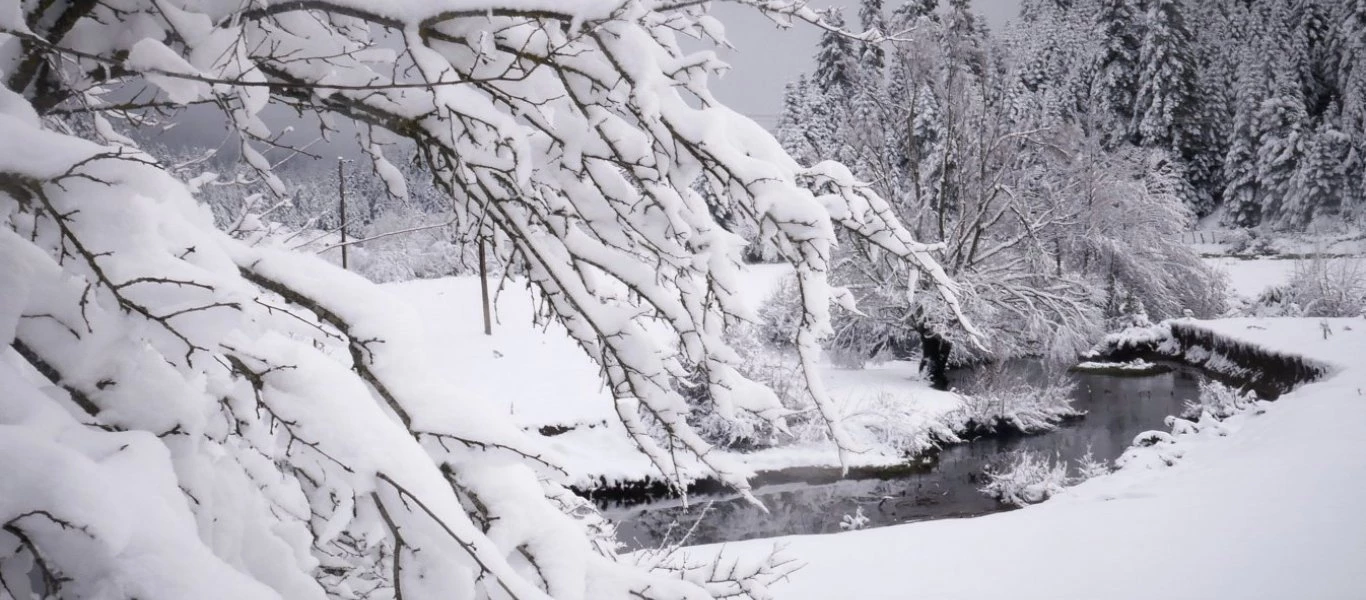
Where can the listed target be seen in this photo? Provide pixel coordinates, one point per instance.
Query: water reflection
(1118, 408)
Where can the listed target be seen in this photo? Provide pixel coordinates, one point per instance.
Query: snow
(1249, 278)
(1264, 506)
(1133, 365)
(168, 70)
(535, 373)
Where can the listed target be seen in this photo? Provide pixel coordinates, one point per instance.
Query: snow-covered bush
(895, 424)
(1002, 398)
(1274, 301)
(1329, 287)
(854, 522)
(776, 368)
(1026, 478)
(1088, 467)
(1219, 400)
(1029, 477)
(1250, 242)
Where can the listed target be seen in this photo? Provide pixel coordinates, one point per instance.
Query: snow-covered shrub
(1002, 398)
(1219, 401)
(856, 521)
(1088, 467)
(1026, 478)
(1250, 242)
(1029, 477)
(1329, 287)
(896, 424)
(1131, 313)
(1274, 301)
(776, 368)
(854, 343)
(1236, 240)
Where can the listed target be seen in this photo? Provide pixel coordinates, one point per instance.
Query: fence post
(341, 206)
(484, 287)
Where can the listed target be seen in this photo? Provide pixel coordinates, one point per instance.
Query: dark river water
(943, 485)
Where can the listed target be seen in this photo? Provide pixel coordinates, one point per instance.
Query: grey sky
(765, 58)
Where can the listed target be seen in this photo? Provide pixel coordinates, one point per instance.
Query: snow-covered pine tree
(1321, 179)
(1242, 191)
(1313, 34)
(1282, 121)
(909, 14)
(1119, 29)
(872, 56)
(837, 61)
(1165, 106)
(1349, 52)
(795, 121)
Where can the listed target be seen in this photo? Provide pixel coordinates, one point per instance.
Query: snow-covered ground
(1250, 277)
(537, 374)
(1269, 505)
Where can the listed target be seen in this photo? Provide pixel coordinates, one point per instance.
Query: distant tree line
(1260, 105)
(1058, 162)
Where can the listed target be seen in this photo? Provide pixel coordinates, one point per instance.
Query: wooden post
(341, 207)
(484, 288)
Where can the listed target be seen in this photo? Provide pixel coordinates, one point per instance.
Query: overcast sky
(765, 58)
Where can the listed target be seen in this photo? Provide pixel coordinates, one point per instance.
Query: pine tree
(1241, 195)
(836, 61)
(1116, 83)
(792, 121)
(1216, 42)
(1282, 120)
(872, 57)
(1166, 113)
(1349, 52)
(1313, 45)
(965, 38)
(926, 147)
(1164, 103)
(910, 12)
(1321, 177)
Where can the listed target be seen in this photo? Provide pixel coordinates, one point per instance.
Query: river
(943, 485)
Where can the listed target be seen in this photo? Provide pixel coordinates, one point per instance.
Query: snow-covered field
(1269, 505)
(1249, 278)
(1266, 505)
(538, 375)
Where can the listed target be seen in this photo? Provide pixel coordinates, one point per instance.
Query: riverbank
(538, 375)
(1270, 503)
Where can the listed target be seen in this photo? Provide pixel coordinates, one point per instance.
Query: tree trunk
(934, 359)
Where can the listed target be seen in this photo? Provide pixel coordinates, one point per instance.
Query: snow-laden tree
(1118, 27)
(837, 62)
(189, 415)
(1282, 120)
(1349, 50)
(1048, 231)
(1163, 106)
(872, 55)
(1241, 195)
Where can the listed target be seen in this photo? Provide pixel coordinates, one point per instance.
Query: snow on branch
(282, 397)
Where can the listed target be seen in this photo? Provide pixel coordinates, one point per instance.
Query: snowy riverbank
(536, 373)
(1265, 505)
